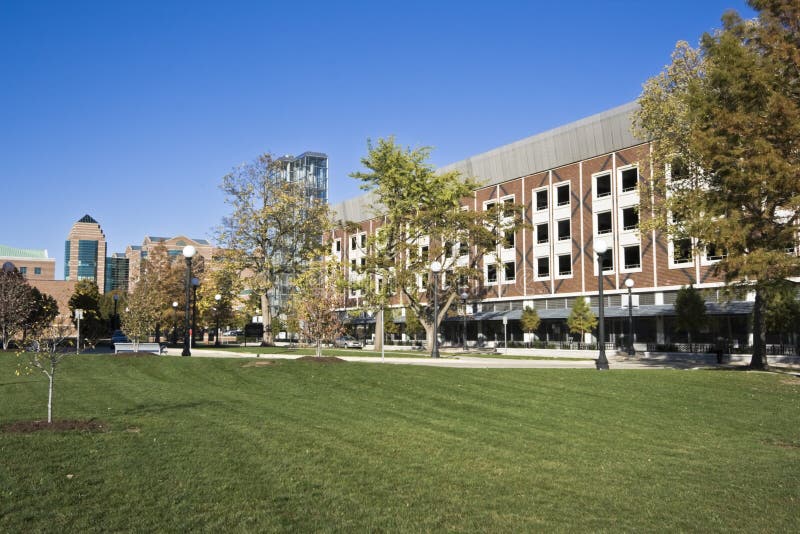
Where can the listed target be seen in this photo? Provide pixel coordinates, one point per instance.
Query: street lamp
(175, 322)
(114, 321)
(629, 283)
(464, 295)
(217, 298)
(195, 285)
(436, 268)
(188, 252)
(600, 249)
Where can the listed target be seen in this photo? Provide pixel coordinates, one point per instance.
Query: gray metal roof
(592, 136)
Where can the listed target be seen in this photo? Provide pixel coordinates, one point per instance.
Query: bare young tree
(315, 301)
(47, 347)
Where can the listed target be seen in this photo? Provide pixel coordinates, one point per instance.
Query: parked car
(347, 342)
(119, 337)
(233, 333)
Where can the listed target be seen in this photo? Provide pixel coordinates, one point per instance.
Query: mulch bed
(321, 359)
(25, 427)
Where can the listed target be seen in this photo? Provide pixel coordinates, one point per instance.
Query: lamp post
(600, 249)
(629, 283)
(436, 268)
(188, 252)
(217, 298)
(174, 322)
(464, 295)
(195, 285)
(115, 321)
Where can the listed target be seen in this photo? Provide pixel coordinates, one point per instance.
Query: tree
(48, 346)
(43, 312)
(87, 298)
(141, 314)
(16, 302)
(315, 300)
(690, 311)
(581, 319)
(165, 279)
(274, 227)
(220, 279)
(725, 124)
(413, 325)
(422, 221)
(783, 308)
(530, 320)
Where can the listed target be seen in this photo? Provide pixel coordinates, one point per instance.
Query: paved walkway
(448, 360)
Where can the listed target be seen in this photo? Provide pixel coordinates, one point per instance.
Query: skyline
(132, 113)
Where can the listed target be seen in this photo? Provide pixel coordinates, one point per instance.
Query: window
(488, 206)
(508, 208)
(363, 240)
(23, 270)
(491, 273)
(563, 230)
(353, 265)
(562, 195)
(448, 250)
(543, 267)
(630, 179)
(337, 245)
(423, 252)
(682, 250)
(602, 185)
(510, 271)
(604, 222)
(714, 252)
(542, 233)
(564, 265)
(37, 270)
(463, 248)
(630, 218)
(509, 239)
(607, 261)
(541, 200)
(353, 243)
(363, 262)
(631, 257)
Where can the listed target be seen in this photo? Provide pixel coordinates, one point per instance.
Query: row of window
(24, 271)
(628, 181)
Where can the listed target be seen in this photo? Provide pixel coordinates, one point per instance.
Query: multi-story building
(85, 252)
(578, 184)
(33, 264)
(309, 169)
(116, 273)
(174, 245)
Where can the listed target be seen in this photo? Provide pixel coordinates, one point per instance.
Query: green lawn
(217, 445)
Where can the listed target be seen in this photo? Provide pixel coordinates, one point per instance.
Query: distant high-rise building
(85, 252)
(310, 169)
(116, 272)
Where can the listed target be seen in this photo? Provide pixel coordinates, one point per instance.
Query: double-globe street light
(600, 249)
(188, 252)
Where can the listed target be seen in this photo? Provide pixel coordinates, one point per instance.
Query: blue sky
(133, 111)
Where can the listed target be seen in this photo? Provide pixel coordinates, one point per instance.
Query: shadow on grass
(155, 408)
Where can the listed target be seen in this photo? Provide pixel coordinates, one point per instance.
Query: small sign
(505, 320)
(79, 314)
(634, 298)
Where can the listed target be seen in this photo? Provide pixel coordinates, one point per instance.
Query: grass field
(221, 445)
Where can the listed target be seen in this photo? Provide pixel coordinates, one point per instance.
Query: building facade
(33, 264)
(136, 254)
(577, 184)
(85, 252)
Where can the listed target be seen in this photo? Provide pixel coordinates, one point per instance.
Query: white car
(347, 342)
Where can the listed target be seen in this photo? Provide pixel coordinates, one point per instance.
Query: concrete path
(448, 360)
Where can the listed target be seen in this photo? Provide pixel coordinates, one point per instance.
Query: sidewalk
(459, 361)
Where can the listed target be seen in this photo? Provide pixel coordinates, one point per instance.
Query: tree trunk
(379, 330)
(158, 333)
(266, 314)
(429, 330)
(319, 348)
(759, 359)
(51, 377)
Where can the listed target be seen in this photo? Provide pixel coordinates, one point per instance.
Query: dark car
(119, 337)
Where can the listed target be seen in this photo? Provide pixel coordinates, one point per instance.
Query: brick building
(577, 185)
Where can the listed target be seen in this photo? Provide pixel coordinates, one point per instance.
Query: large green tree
(422, 221)
(87, 298)
(725, 124)
(274, 227)
(581, 318)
